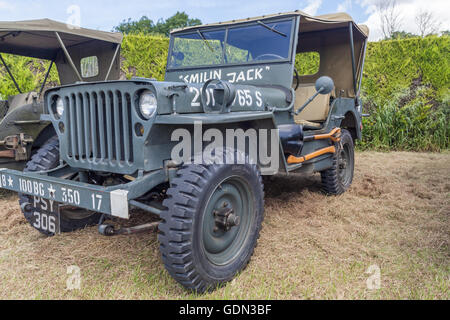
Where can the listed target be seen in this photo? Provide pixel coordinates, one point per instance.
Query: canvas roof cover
(36, 38)
(310, 23)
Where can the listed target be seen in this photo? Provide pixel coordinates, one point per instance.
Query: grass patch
(395, 216)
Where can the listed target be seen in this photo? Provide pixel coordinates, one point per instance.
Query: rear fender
(344, 115)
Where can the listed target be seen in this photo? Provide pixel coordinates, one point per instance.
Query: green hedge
(144, 56)
(406, 90)
(29, 74)
(405, 86)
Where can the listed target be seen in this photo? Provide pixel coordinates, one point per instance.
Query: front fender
(211, 118)
(22, 119)
(196, 126)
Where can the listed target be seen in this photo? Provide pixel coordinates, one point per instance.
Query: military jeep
(78, 54)
(156, 146)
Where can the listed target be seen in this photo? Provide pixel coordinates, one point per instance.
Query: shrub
(405, 86)
(28, 72)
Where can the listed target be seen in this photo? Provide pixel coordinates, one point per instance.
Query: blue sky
(103, 15)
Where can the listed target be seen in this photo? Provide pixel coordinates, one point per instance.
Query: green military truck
(192, 149)
(78, 54)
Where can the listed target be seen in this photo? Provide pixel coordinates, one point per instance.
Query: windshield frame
(226, 28)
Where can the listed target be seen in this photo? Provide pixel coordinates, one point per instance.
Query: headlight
(59, 107)
(148, 104)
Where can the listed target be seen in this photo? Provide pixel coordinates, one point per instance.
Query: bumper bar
(67, 192)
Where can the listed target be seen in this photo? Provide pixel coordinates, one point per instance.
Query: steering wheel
(268, 56)
(297, 78)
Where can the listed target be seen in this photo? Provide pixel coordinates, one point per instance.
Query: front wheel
(211, 225)
(71, 219)
(339, 177)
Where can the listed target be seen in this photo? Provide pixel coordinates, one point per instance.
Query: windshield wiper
(272, 29)
(204, 39)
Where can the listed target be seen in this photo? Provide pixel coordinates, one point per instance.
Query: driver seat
(313, 116)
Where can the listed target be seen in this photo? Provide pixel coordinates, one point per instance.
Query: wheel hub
(342, 161)
(225, 218)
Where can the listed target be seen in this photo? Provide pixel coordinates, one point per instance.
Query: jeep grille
(99, 129)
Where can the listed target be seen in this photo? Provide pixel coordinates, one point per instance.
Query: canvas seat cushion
(317, 110)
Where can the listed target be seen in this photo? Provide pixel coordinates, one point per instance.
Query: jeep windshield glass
(198, 48)
(256, 42)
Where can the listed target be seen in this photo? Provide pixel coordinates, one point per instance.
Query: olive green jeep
(192, 150)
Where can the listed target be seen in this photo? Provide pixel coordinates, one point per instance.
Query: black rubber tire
(332, 182)
(46, 158)
(180, 229)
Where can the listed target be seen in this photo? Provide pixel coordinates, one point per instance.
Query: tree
(163, 27)
(143, 25)
(403, 35)
(178, 20)
(389, 17)
(426, 23)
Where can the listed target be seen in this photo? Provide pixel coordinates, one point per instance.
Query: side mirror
(324, 85)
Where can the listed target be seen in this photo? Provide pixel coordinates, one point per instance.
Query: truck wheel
(46, 158)
(211, 224)
(339, 177)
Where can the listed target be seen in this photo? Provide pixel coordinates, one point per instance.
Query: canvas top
(310, 23)
(37, 39)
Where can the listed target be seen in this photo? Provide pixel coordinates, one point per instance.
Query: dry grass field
(396, 216)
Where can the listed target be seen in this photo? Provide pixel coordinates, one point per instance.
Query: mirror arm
(112, 62)
(61, 43)
(308, 101)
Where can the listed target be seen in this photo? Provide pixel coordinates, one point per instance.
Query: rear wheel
(212, 223)
(71, 219)
(339, 177)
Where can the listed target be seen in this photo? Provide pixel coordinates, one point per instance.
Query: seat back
(317, 110)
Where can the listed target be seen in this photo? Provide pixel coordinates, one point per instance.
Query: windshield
(259, 41)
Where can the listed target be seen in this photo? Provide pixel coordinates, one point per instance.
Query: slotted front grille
(99, 128)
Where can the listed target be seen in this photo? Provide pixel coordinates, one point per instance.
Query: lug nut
(233, 220)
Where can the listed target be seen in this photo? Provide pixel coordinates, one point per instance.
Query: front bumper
(114, 201)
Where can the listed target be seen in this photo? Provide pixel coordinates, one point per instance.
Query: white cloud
(312, 7)
(6, 6)
(408, 9)
(344, 6)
